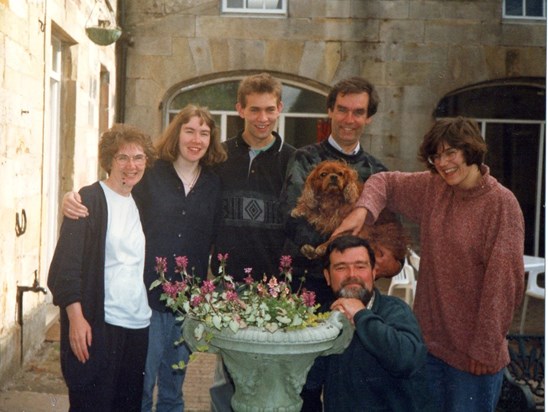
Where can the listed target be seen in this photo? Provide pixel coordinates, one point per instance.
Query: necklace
(191, 181)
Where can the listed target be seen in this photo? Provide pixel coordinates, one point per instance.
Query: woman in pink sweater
(471, 271)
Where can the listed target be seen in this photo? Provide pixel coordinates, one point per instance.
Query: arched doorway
(511, 114)
(303, 120)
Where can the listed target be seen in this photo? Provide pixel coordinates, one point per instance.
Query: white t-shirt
(126, 302)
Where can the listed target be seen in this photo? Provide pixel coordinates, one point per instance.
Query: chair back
(404, 280)
(414, 260)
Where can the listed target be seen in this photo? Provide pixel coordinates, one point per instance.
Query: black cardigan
(76, 274)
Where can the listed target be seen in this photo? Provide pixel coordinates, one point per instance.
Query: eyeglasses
(448, 154)
(123, 159)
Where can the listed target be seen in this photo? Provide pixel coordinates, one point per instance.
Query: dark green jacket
(383, 368)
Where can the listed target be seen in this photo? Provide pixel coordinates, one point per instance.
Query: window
(303, 120)
(255, 6)
(524, 9)
(55, 121)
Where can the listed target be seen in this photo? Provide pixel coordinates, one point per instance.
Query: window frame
(523, 15)
(224, 114)
(282, 11)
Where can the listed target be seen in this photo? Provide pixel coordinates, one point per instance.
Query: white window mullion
(540, 171)
(266, 7)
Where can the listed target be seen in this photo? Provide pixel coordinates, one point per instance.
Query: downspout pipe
(122, 46)
(36, 288)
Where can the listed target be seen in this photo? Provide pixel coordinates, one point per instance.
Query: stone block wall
(415, 51)
(26, 156)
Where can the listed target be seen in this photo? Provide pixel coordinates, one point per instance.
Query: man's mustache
(353, 280)
(358, 290)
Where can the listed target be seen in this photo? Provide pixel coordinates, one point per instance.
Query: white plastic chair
(404, 280)
(534, 266)
(414, 260)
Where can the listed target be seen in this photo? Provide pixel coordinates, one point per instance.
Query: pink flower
(231, 296)
(181, 286)
(261, 289)
(248, 280)
(170, 289)
(248, 271)
(222, 258)
(285, 263)
(161, 265)
(284, 289)
(309, 298)
(207, 287)
(181, 263)
(273, 286)
(196, 301)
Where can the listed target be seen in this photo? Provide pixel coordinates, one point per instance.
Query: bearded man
(383, 368)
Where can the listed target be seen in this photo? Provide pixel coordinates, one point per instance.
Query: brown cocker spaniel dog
(329, 195)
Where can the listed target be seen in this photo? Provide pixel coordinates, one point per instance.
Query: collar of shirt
(253, 153)
(333, 143)
(371, 301)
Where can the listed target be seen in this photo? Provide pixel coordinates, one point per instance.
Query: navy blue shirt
(252, 232)
(175, 223)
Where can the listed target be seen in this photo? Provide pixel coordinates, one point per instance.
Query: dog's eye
(340, 174)
(323, 174)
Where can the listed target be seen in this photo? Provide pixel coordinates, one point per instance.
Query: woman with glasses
(471, 270)
(180, 204)
(96, 279)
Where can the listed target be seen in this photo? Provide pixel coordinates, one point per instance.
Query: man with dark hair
(252, 232)
(252, 177)
(351, 104)
(383, 367)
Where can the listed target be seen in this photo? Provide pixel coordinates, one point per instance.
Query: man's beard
(357, 290)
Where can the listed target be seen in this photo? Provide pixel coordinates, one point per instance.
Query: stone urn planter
(269, 369)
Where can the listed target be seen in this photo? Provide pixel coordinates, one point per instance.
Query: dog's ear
(351, 192)
(352, 188)
(352, 174)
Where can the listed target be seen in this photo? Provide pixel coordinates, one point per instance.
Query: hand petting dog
(329, 195)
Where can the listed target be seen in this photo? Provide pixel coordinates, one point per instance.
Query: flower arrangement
(221, 302)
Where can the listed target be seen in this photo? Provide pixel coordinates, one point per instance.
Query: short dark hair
(119, 135)
(344, 242)
(354, 85)
(259, 83)
(460, 133)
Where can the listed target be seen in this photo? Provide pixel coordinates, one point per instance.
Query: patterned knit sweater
(471, 272)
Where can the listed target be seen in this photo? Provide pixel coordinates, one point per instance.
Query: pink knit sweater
(471, 271)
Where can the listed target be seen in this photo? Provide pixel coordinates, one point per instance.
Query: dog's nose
(333, 177)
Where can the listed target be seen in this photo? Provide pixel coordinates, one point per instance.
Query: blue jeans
(456, 391)
(162, 353)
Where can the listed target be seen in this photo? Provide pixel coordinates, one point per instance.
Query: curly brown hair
(460, 133)
(168, 143)
(119, 135)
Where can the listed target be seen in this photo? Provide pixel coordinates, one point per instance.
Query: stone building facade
(428, 58)
(58, 91)
(414, 51)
